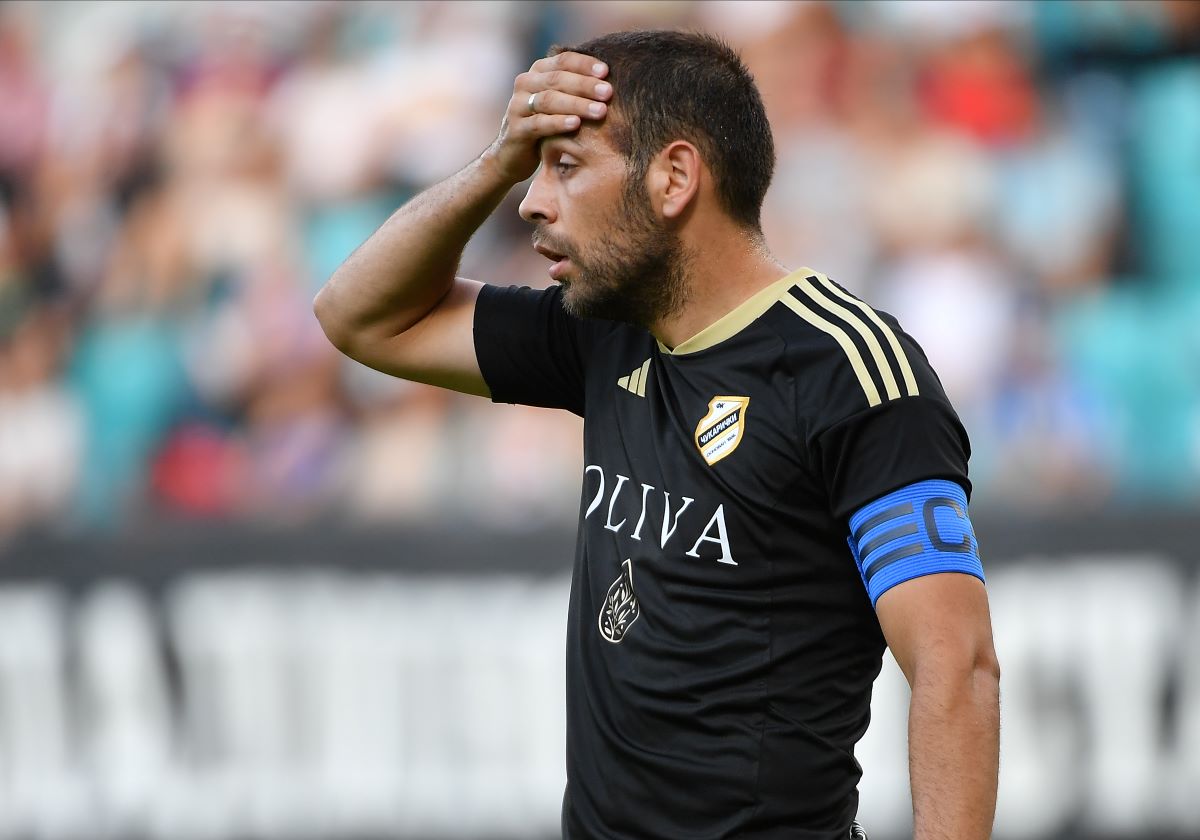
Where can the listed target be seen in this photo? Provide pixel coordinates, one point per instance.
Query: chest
(695, 456)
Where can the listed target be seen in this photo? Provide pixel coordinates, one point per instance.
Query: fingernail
(598, 69)
(603, 89)
(571, 121)
(596, 109)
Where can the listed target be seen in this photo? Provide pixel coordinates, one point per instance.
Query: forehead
(590, 139)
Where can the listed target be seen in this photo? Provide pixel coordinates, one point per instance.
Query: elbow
(954, 670)
(327, 316)
(982, 676)
(322, 308)
(981, 687)
(987, 665)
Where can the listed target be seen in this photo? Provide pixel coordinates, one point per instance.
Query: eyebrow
(568, 144)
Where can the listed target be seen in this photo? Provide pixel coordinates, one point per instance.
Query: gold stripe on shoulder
(738, 318)
(906, 371)
(839, 335)
(889, 379)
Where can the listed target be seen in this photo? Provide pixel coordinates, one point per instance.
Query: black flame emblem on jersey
(621, 607)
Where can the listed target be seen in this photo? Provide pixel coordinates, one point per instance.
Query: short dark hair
(672, 85)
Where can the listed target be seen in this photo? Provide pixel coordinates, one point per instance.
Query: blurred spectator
(24, 102)
(980, 85)
(1015, 181)
(41, 428)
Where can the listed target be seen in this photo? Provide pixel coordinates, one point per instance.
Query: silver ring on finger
(529, 103)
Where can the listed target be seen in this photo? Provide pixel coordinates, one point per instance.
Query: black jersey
(721, 645)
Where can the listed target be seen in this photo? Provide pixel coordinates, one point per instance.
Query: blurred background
(249, 588)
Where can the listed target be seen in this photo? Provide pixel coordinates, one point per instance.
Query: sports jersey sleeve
(889, 448)
(530, 351)
(881, 449)
(870, 409)
(896, 474)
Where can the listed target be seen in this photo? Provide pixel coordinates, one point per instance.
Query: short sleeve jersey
(721, 645)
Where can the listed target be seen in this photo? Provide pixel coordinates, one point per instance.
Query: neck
(727, 268)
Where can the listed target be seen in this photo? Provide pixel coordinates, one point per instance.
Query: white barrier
(306, 705)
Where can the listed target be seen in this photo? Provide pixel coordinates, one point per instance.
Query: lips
(548, 253)
(561, 261)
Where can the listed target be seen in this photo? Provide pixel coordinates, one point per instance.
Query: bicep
(918, 555)
(437, 350)
(941, 618)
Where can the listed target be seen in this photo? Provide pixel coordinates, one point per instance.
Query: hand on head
(553, 97)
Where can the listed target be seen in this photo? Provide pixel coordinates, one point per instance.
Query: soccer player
(775, 483)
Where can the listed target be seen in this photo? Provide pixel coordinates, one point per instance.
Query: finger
(572, 83)
(545, 125)
(584, 65)
(556, 102)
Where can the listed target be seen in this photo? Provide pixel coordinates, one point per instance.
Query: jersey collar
(738, 318)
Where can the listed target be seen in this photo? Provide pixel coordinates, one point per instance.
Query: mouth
(561, 261)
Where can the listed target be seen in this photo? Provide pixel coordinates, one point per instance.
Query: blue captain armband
(921, 529)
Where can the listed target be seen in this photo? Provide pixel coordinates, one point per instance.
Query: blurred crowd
(1017, 182)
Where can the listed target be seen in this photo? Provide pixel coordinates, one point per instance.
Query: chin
(575, 299)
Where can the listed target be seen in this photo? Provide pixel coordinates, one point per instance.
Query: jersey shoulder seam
(871, 348)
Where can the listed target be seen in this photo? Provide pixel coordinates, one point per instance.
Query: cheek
(592, 200)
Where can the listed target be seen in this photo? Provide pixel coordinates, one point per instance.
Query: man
(775, 481)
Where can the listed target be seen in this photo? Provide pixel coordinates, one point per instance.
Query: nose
(538, 205)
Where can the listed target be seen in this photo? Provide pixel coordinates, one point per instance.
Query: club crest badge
(721, 430)
(620, 608)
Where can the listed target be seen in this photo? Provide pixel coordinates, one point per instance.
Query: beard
(635, 272)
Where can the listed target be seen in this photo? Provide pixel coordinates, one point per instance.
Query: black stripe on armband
(917, 530)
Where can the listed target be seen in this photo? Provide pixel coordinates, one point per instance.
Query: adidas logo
(635, 383)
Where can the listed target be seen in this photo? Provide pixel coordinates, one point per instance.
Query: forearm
(954, 752)
(397, 275)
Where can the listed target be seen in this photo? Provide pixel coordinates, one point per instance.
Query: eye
(563, 167)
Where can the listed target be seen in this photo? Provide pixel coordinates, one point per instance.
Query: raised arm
(395, 303)
(940, 632)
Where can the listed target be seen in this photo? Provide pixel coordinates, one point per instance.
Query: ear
(674, 178)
